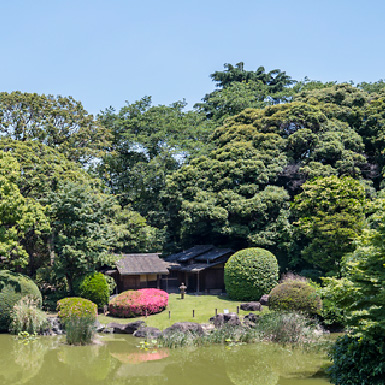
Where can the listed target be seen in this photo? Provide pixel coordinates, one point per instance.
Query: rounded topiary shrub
(250, 273)
(76, 307)
(78, 316)
(14, 287)
(295, 296)
(138, 303)
(95, 288)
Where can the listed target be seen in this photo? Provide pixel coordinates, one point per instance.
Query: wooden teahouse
(137, 271)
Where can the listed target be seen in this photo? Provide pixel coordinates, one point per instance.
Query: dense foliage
(14, 287)
(250, 273)
(295, 296)
(95, 288)
(76, 307)
(358, 361)
(138, 303)
(78, 316)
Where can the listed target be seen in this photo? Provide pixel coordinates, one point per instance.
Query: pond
(117, 360)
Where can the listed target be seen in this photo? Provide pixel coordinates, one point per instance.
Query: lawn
(182, 310)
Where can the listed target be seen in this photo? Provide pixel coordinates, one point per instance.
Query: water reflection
(118, 360)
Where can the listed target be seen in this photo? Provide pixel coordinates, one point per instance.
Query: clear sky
(106, 52)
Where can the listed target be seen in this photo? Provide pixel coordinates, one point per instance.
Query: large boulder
(264, 300)
(129, 328)
(184, 327)
(251, 306)
(225, 318)
(147, 332)
(251, 317)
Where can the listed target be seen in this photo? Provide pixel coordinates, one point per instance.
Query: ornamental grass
(138, 303)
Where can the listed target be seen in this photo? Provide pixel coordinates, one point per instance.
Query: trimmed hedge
(14, 287)
(95, 288)
(138, 303)
(250, 273)
(76, 307)
(358, 361)
(295, 296)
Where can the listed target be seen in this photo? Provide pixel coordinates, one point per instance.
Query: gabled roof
(213, 254)
(190, 253)
(137, 264)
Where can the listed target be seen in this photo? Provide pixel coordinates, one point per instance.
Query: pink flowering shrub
(138, 303)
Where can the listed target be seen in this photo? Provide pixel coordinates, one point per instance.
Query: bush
(295, 296)
(79, 316)
(14, 287)
(250, 273)
(95, 288)
(288, 328)
(27, 317)
(358, 361)
(138, 303)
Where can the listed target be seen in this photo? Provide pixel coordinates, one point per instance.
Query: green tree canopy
(59, 122)
(330, 215)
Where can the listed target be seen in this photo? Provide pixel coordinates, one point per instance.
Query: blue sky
(106, 52)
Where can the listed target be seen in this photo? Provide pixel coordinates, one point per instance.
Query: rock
(251, 317)
(185, 327)
(99, 327)
(54, 327)
(225, 318)
(147, 332)
(251, 306)
(125, 328)
(265, 300)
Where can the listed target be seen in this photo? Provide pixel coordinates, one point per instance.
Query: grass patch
(182, 310)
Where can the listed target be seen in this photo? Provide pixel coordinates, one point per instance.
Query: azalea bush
(138, 303)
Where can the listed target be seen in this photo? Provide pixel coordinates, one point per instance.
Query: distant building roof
(200, 257)
(137, 264)
(190, 253)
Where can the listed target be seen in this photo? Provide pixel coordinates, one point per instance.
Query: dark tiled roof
(193, 252)
(136, 264)
(201, 266)
(213, 254)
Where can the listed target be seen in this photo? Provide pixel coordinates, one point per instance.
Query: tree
(329, 217)
(88, 227)
(24, 225)
(149, 143)
(59, 122)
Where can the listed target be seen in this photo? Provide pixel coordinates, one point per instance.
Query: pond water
(118, 360)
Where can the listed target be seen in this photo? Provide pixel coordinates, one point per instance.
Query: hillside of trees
(295, 167)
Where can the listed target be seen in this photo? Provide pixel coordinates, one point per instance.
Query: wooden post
(169, 314)
(237, 309)
(198, 284)
(216, 312)
(193, 313)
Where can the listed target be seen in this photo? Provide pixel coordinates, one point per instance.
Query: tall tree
(59, 122)
(329, 217)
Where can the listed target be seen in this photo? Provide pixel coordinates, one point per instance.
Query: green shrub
(358, 361)
(295, 296)
(27, 317)
(14, 287)
(95, 288)
(79, 316)
(250, 273)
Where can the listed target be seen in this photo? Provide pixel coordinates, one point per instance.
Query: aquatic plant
(138, 303)
(27, 317)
